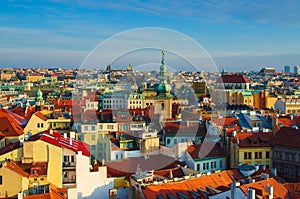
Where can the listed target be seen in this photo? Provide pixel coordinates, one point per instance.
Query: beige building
(12, 179)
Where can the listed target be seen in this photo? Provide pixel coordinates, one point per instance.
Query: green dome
(164, 88)
(39, 95)
(100, 97)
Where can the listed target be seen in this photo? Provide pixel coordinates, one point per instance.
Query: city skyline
(238, 35)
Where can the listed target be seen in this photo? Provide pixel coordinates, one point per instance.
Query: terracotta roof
(216, 180)
(175, 129)
(250, 139)
(176, 172)
(129, 165)
(205, 150)
(59, 140)
(286, 121)
(12, 165)
(19, 111)
(41, 116)
(41, 167)
(58, 193)
(279, 191)
(38, 196)
(11, 124)
(295, 187)
(238, 176)
(235, 78)
(287, 136)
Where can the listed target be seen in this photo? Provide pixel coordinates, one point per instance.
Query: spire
(223, 71)
(163, 57)
(163, 89)
(163, 68)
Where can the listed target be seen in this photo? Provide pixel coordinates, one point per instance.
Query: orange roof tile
(11, 124)
(58, 193)
(250, 139)
(215, 180)
(38, 196)
(234, 78)
(287, 136)
(279, 191)
(41, 115)
(206, 149)
(12, 165)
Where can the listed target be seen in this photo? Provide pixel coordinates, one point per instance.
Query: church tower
(39, 100)
(163, 89)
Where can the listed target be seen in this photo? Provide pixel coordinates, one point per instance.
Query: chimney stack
(251, 193)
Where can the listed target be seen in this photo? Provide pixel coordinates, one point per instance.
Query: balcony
(70, 165)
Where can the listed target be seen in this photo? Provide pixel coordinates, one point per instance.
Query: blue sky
(239, 35)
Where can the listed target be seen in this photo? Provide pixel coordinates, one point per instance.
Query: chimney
(20, 195)
(71, 141)
(270, 190)
(65, 135)
(251, 193)
(233, 187)
(251, 180)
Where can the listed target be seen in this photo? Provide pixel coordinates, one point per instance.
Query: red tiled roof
(129, 165)
(11, 123)
(12, 165)
(279, 191)
(250, 139)
(41, 115)
(237, 175)
(173, 129)
(215, 180)
(287, 136)
(59, 140)
(287, 122)
(58, 193)
(38, 196)
(292, 186)
(206, 149)
(176, 172)
(41, 167)
(235, 78)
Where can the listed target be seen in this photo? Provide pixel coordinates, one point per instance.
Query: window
(66, 158)
(221, 163)
(42, 125)
(162, 106)
(117, 156)
(168, 141)
(38, 125)
(0, 179)
(110, 126)
(121, 156)
(247, 155)
(123, 116)
(72, 158)
(211, 165)
(267, 154)
(258, 155)
(93, 147)
(93, 137)
(215, 164)
(198, 167)
(182, 140)
(85, 128)
(93, 128)
(207, 165)
(204, 166)
(175, 141)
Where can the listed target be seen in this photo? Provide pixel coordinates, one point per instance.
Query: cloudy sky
(238, 35)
